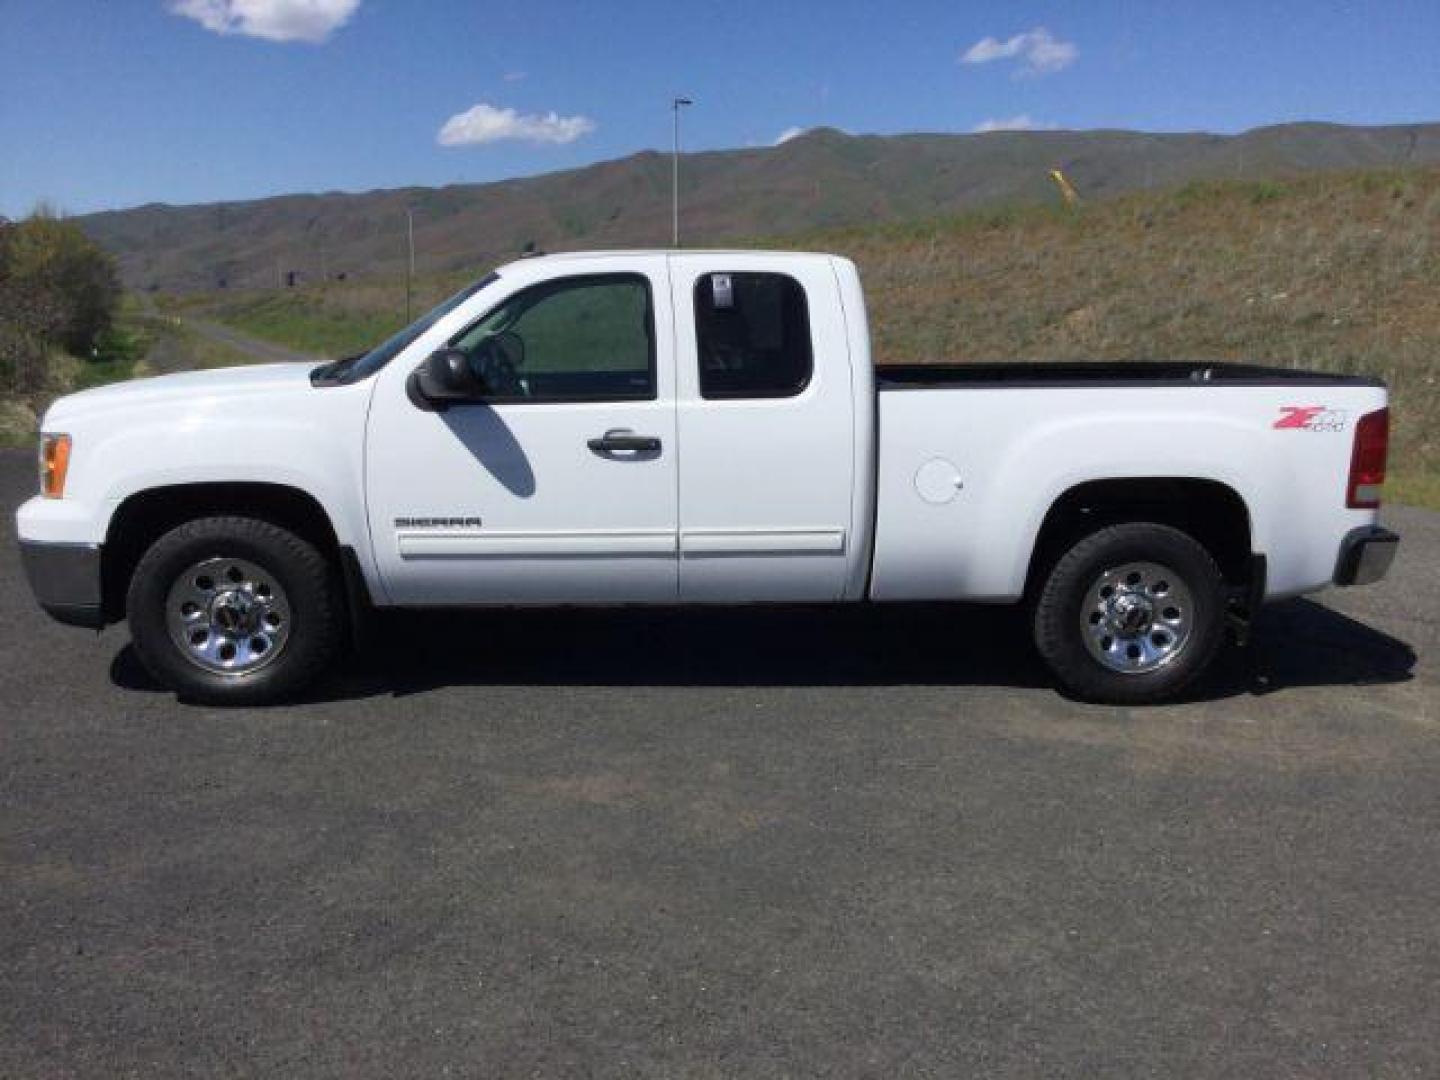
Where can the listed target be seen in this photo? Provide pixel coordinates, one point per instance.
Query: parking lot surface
(728, 843)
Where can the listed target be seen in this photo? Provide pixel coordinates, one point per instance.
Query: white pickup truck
(696, 428)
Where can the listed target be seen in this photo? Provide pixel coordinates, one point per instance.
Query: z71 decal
(1311, 418)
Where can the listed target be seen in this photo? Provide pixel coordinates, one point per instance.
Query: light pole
(676, 105)
(410, 266)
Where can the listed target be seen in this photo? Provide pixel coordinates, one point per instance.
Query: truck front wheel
(234, 610)
(1131, 614)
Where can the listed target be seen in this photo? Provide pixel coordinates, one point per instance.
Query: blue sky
(107, 103)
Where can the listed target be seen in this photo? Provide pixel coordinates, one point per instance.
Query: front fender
(310, 440)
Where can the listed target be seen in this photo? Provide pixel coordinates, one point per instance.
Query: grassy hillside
(1339, 272)
(1336, 273)
(823, 179)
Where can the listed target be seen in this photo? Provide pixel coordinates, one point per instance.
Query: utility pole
(676, 105)
(410, 266)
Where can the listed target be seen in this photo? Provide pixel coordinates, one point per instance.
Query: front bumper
(1365, 555)
(65, 579)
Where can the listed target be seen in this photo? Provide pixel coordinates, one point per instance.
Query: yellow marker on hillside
(1067, 189)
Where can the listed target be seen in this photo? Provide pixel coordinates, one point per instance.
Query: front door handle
(624, 441)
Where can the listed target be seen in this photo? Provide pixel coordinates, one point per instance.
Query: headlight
(54, 464)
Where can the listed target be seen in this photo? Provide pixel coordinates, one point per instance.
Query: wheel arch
(1211, 511)
(146, 515)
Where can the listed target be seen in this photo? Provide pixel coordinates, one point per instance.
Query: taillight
(1367, 461)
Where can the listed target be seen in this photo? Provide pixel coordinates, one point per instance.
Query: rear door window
(752, 335)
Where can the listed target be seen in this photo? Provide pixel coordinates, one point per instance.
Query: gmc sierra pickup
(690, 428)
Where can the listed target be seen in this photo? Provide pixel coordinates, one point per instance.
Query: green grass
(17, 424)
(182, 348)
(120, 352)
(100, 372)
(284, 320)
(1413, 489)
(143, 343)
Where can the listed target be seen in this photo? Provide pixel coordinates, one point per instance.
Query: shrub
(57, 290)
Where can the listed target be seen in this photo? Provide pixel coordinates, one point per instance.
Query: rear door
(766, 427)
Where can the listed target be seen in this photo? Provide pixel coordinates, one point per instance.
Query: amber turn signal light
(54, 463)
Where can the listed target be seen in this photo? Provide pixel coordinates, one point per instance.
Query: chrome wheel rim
(1137, 617)
(228, 616)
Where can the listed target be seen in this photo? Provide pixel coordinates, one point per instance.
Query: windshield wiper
(331, 371)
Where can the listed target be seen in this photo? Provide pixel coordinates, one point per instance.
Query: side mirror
(445, 376)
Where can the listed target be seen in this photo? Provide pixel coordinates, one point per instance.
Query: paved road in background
(169, 355)
(265, 352)
(855, 843)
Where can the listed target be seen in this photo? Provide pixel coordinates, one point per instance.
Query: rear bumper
(1365, 555)
(65, 579)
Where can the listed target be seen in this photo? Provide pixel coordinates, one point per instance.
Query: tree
(56, 282)
(57, 290)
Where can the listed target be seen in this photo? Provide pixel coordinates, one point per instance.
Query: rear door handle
(624, 441)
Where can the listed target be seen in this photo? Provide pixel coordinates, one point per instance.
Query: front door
(558, 486)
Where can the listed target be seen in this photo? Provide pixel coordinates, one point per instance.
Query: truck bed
(953, 519)
(1104, 373)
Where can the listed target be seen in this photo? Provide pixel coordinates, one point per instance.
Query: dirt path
(169, 353)
(262, 351)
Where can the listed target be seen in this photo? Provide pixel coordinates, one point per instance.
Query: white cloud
(486, 124)
(1023, 122)
(1039, 51)
(513, 76)
(788, 134)
(311, 21)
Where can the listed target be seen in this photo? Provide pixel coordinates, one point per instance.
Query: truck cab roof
(582, 256)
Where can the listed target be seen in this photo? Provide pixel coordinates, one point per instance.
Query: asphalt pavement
(728, 843)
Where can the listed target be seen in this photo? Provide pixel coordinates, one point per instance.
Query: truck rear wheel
(1131, 614)
(233, 610)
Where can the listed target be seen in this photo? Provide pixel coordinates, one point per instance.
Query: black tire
(314, 624)
(1062, 609)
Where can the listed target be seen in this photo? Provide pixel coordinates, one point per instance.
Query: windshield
(355, 368)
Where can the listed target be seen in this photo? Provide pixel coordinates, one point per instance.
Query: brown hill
(823, 179)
